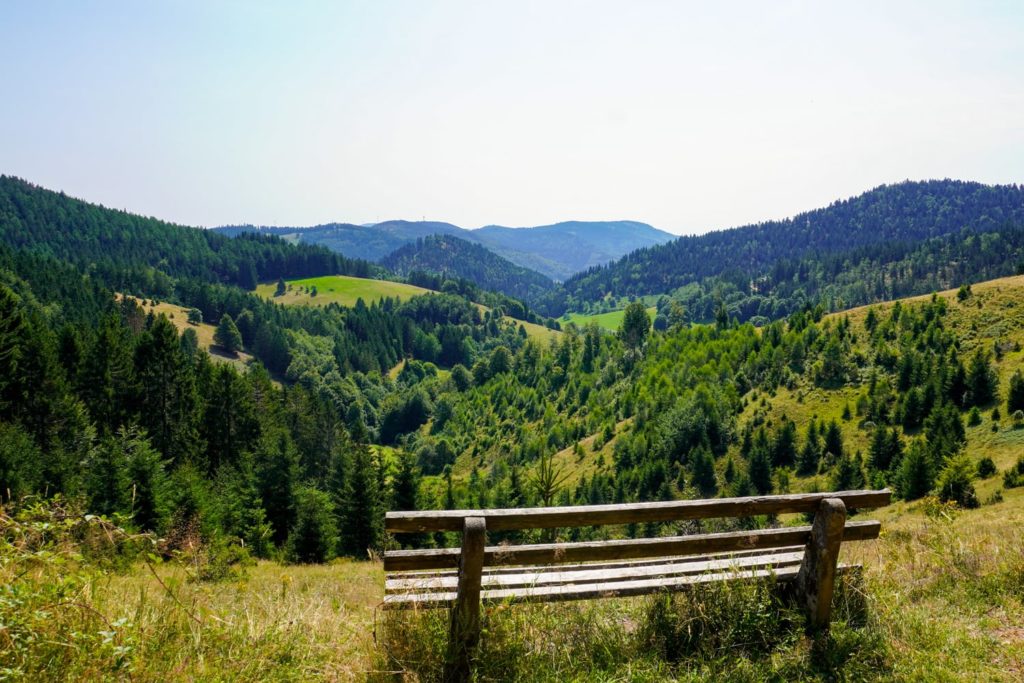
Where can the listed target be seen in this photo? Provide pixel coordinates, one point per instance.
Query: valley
(239, 486)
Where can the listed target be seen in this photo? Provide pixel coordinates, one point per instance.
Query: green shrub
(986, 468)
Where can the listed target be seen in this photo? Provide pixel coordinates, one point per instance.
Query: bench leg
(464, 634)
(817, 578)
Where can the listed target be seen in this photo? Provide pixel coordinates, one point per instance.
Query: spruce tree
(363, 513)
(760, 471)
(314, 536)
(916, 476)
(227, 335)
(704, 473)
(1015, 395)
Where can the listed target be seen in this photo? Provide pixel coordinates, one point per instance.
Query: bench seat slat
(549, 553)
(433, 573)
(594, 590)
(629, 513)
(541, 576)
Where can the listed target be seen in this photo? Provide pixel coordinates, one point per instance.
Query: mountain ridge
(556, 250)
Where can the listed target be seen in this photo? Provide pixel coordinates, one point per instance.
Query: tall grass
(941, 598)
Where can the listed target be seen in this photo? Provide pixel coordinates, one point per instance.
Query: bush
(974, 417)
(986, 468)
(956, 482)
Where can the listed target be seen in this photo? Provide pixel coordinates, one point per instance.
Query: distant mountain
(799, 256)
(371, 242)
(452, 256)
(556, 251)
(563, 249)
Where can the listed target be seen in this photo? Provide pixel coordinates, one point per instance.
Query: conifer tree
(363, 514)
(760, 471)
(704, 473)
(314, 536)
(227, 335)
(916, 476)
(1015, 396)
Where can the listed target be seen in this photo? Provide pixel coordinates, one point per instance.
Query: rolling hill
(454, 257)
(88, 235)
(556, 251)
(923, 228)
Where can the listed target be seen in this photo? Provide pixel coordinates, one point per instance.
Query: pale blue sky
(690, 116)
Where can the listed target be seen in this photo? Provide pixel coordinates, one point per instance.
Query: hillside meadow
(345, 291)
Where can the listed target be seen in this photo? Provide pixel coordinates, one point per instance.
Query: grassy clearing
(339, 289)
(345, 291)
(610, 321)
(204, 331)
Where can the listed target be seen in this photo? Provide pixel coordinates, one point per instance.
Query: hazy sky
(689, 116)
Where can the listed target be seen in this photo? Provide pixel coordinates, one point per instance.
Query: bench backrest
(591, 515)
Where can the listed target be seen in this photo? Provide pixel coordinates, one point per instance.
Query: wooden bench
(462, 578)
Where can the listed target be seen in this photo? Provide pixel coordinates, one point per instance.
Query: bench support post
(464, 634)
(817, 577)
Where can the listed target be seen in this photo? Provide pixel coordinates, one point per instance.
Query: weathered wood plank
(595, 590)
(558, 553)
(542, 576)
(683, 559)
(588, 515)
(817, 577)
(464, 634)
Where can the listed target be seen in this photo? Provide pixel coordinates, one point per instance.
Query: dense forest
(881, 226)
(97, 238)
(447, 255)
(436, 402)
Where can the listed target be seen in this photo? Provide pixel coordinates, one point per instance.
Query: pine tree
(982, 381)
(635, 326)
(704, 473)
(760, 471)
(227, 335)
(1015, 396)
(834, 440)
(916, 477)
(784, 445)
(277, 469)
(363, 513)
(146, 478)
(810, 454)
(165, 393)
(314, 536)
(282, 287)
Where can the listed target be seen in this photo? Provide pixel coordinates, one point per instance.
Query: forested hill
(903, 214)
(556, 251)
(449, 255)
(90, 235)
(371, 242)
(565, 248)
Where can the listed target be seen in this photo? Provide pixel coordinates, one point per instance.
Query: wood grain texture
(545, 576)
(596, 590)
(559, 553)
(634, 513)
(817, 577)
(464, 632)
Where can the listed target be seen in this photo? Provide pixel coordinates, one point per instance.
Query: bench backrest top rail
(628, 513)
(592, 551)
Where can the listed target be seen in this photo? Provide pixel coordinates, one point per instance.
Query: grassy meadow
(339, 289)
(204, 330)
(345, 290)
(610, 321)
(941, 598)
